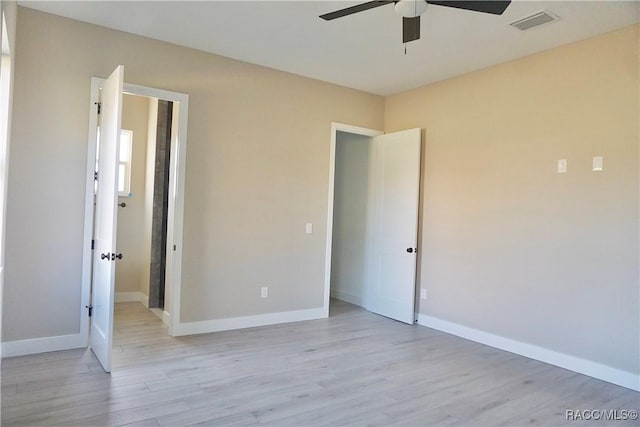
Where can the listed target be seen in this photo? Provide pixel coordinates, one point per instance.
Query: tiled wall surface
(160, 205)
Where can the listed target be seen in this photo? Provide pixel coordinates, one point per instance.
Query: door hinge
(93, 244)
(174, 247)
(99, 104)
(90, 307)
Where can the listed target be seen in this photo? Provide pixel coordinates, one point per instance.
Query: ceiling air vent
(534, 20)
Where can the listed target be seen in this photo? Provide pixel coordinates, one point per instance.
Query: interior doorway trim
(175, 215)
(335, 128)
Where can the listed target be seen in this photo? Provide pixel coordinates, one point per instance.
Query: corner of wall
(132, 297)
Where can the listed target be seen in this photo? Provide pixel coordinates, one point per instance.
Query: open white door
(396, 185)
(104, 256)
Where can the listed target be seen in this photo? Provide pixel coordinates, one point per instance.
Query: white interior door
(105, 217)
(395, 196)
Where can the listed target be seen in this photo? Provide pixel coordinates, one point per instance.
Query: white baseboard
(206, 326)
(572, 363)
(347, 297)
(132, 297)
(162, 315)
(43, 345)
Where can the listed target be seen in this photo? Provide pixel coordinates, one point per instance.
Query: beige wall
(511, 247)
(257, 171)
(131, 221)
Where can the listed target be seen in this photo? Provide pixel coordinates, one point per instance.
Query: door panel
(396, 184)
(103, 290)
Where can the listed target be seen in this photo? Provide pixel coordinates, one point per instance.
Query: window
(124, 165)
(124, 162)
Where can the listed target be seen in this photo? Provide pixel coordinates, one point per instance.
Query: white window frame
(127, 165)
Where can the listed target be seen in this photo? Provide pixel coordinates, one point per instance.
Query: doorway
(143, 201)
(99, 295)
(373, 220)
(351, 205)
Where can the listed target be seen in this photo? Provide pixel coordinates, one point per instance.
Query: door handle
(412, 250)
(111, 256)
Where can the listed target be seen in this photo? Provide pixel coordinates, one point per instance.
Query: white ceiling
(363, 51)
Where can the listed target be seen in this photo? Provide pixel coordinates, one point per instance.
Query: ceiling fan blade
(410, 29)
(491, 6)
(354, 9)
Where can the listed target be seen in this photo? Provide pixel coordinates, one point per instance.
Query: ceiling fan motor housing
(410, 8)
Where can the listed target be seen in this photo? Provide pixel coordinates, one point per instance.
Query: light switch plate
(598, 163)
(308, 228)
(423, 293)
(562, 166)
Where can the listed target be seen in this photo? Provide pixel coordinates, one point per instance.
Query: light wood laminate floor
(355, 368)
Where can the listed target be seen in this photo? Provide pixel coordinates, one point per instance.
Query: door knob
(410, 250)
(122, 205)
(114, 256)
(105, 256)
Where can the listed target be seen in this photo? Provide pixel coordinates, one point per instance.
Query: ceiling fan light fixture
(410, 8)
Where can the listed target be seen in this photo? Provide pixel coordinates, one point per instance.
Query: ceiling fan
(410, 10)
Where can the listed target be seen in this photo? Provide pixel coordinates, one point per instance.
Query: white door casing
(335, 128)
(176, 203)
(394, 225)
(103, 291)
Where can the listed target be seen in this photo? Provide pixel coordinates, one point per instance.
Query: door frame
(175, 217)
(335, 128)
(6, 93)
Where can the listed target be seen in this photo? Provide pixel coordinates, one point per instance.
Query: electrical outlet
(597, 164)
(562, 166)
(423, 293)
(264, 292)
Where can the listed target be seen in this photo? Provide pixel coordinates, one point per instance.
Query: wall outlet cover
(562, 166)
(598, 164)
